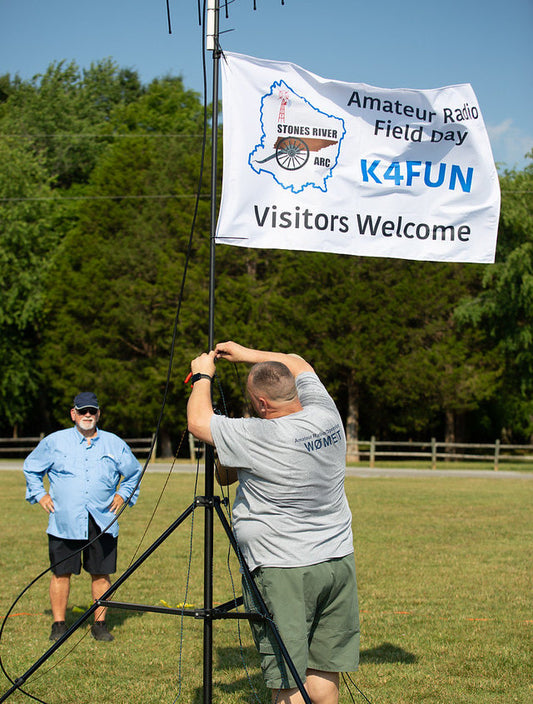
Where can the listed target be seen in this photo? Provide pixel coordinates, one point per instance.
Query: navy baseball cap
(86, 400)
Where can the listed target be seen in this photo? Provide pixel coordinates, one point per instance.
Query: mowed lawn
(445, 589)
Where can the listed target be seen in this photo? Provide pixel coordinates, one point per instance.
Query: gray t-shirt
(290, 508)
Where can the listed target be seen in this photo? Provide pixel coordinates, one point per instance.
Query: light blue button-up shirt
(84, 477)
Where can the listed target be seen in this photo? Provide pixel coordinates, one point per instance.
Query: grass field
(445, 585)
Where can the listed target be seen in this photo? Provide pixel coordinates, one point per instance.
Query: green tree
(63, 114)
(49, 131)
(504, 308)
(444, 371)
(28, 241)
(114, 290)
(381, 333)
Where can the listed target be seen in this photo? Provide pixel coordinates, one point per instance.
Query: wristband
(197, 377)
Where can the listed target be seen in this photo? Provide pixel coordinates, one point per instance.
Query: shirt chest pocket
(104, 470)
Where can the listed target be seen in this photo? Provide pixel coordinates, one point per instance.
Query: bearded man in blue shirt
(91, 473)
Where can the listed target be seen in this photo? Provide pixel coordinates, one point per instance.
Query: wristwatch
(197, 377)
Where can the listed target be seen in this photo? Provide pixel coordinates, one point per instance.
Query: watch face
(198, 376)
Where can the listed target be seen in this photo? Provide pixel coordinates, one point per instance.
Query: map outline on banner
(293, 147)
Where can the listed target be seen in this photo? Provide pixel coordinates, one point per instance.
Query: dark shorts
(99, 557)
(316, 612)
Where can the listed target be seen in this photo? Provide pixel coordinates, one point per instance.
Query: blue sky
(384, 43)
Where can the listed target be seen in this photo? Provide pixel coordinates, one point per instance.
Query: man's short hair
(273, 379)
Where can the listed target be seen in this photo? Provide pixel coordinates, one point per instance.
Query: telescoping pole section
(209, 502)
(212, 32)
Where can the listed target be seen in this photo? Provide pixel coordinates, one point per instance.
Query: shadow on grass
(250, 686)
(240, 665)
(244, 663)
(386, 652)
(114, 617)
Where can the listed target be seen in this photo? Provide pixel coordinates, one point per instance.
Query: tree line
(97, 201)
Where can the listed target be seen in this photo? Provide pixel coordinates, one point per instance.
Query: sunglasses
(84, 411)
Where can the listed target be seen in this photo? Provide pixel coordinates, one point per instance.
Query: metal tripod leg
(259, 600)
(17, 684)
(208, 615)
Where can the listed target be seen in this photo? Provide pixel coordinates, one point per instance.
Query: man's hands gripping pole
(199, 406)
(234, 352)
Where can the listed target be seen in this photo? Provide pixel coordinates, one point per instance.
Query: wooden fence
(433, 451)
(20, 447)
(357, 451)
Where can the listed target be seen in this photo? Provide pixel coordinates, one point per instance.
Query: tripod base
(207, 615)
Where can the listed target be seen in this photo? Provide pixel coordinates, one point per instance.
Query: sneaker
(99, 631)
(59, 628)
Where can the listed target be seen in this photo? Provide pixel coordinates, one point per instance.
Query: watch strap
(197, 377)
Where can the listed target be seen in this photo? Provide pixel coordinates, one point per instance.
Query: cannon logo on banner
(321, 165)
(301, 143)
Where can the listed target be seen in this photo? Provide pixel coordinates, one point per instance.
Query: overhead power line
(119, 197)
(101, 136)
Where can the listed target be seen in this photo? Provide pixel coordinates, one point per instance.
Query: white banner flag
(327, 166)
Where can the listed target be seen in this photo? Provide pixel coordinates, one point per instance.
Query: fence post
(496, 455)
(357, 458)
(433, 453)
(352, 451)
(372, 451)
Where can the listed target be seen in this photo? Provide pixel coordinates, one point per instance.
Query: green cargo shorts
(316, 613)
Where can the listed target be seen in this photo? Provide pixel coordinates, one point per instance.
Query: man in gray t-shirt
(290, 515)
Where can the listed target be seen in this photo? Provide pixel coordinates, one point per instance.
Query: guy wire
(345, 676)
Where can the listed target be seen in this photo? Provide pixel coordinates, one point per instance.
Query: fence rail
(357, 451)
(495, 453)
(18, 447)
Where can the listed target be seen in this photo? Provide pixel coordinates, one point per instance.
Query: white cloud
(499, 130)
(510, 144)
